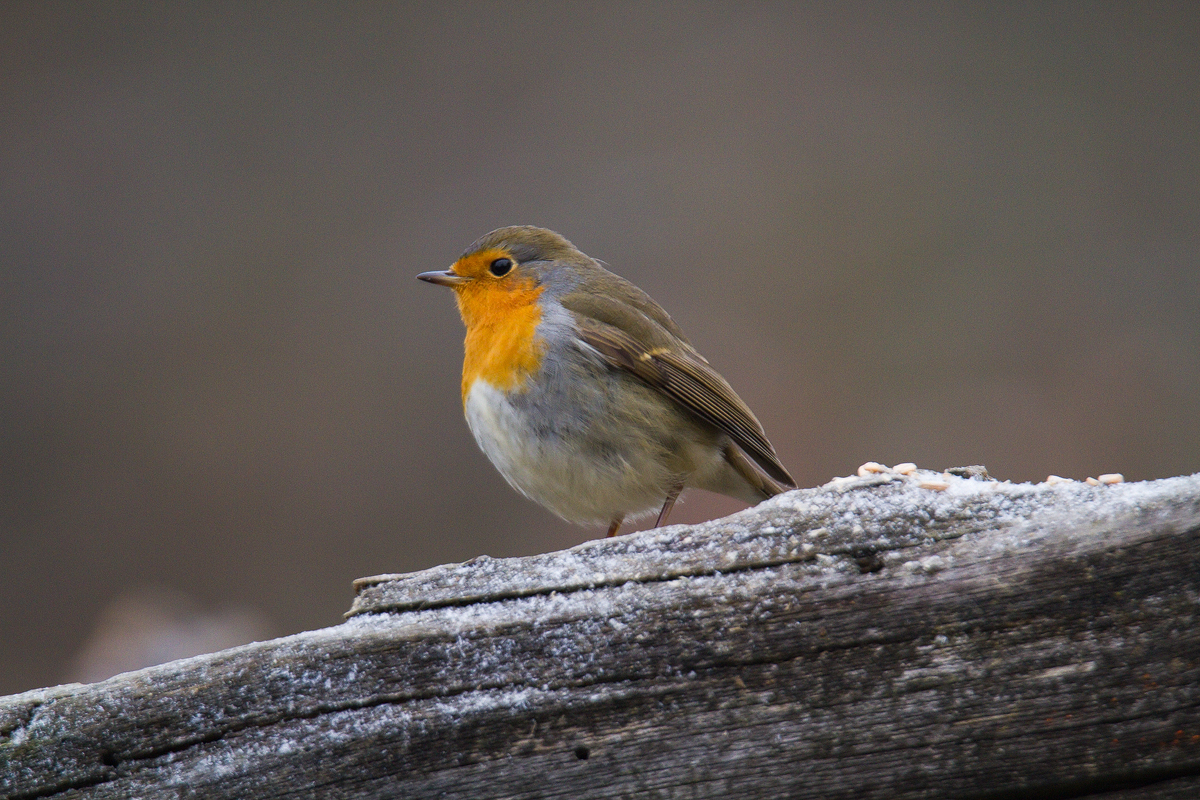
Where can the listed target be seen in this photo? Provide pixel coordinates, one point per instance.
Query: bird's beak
(446, 278)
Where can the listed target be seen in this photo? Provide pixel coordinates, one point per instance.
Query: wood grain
(867, 639)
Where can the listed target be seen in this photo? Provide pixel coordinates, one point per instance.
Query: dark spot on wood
(868, 560)
(582, 753)
(977, 472)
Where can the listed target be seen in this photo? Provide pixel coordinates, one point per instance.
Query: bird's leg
(672, 496)
(615, 525)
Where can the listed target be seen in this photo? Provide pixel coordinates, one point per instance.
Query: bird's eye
(501, 267)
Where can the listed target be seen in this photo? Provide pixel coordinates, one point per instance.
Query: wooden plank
(870, 638)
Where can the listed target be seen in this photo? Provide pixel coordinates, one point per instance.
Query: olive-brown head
(498, 283)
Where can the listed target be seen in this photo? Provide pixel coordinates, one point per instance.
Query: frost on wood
(869, 638)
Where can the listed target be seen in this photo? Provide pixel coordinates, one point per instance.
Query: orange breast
(501, 345)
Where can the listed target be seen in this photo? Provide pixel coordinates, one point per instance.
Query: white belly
(547, 471)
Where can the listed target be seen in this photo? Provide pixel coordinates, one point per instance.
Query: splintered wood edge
(857, 519)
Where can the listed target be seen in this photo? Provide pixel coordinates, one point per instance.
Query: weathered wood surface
(867, 639)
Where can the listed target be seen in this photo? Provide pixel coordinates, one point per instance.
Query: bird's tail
(762, 483)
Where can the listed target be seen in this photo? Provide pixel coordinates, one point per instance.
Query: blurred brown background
(949, 234)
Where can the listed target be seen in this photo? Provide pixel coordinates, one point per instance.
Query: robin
(585, 395)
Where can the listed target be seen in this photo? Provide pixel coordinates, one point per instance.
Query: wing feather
(684, 376)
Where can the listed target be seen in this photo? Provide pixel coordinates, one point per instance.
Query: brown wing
(683, 375)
